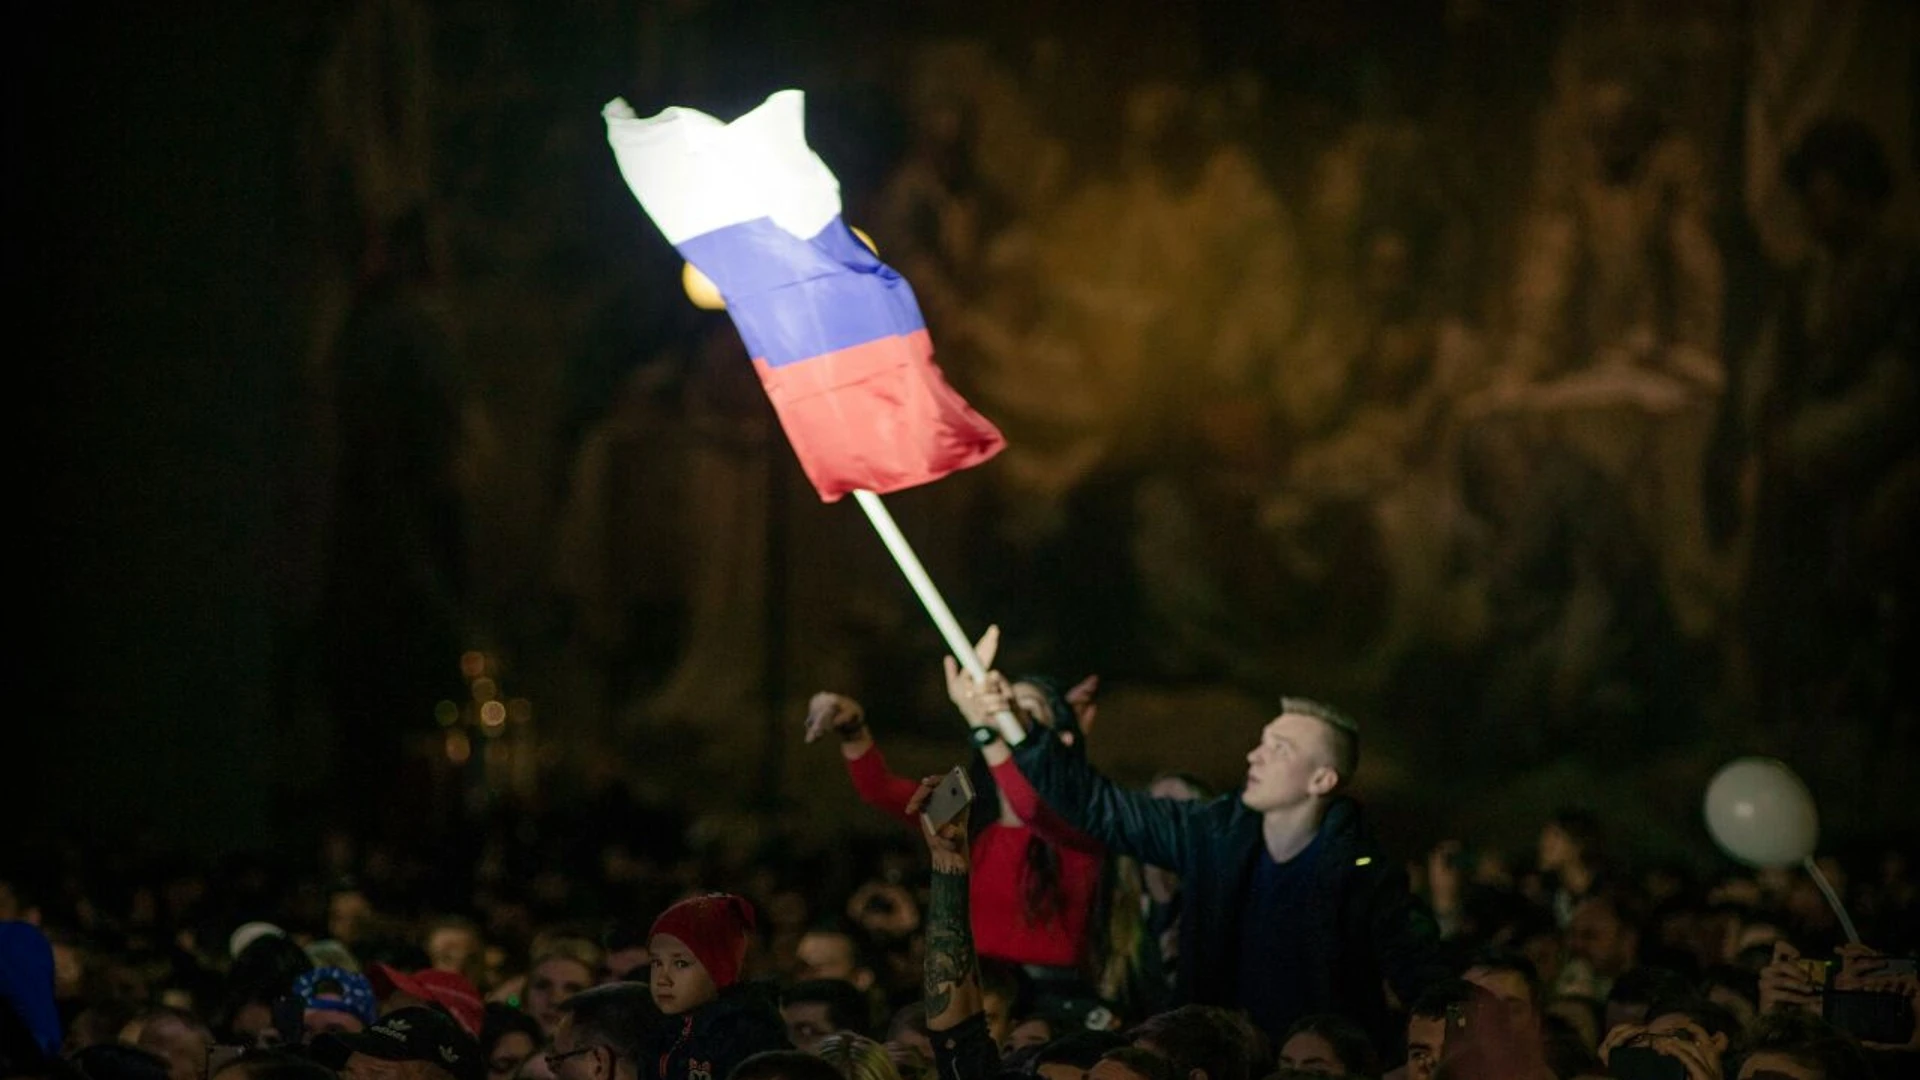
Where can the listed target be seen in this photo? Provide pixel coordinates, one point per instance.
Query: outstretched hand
(838, 713)
(979, 702)
(947, 844)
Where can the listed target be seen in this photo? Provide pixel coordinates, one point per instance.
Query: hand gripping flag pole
(835, 335)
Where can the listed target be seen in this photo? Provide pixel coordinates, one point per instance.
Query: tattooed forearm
(952, 982)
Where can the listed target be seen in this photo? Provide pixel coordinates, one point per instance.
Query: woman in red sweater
(1036, 882)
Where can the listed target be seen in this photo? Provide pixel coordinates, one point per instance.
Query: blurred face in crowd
(1310, 1053)
(824, 954)
(318, 1022)
(1557, 849)
(680, 981)
(999, 1012)
(1030, 702)
(807, 1022)
(551, 982)
(184, 1047)
(453, 948)
(1426, 1039)
(1597, 935)
(1108, 1069)
(510, 1052)
(347, 912)
(1033, 1032)
(1291, 765)
(572, 1058)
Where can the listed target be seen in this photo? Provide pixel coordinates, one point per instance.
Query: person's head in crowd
(1734, 989)
(262, 973)
(1328, 1044)
(1000, 986)
(816, 1008)
(834, 950)
(335, 1000)
(247, 933)
(175, 1035)
(119, 1061)
(349, 913)
(1636, 990)
(1073, 1053)
(1304, 755)
(508, 1037)
(1571, 844)
(1203, 1042)
(601, 1032)
(454, 943)
(1133, 1063)
(1841, 172)
(1794, 1045)
(414, 1043)
(1536, 937)
(625, 956)
(785, 1065)
(554, 976)
(698, 946)
(272, 1064)
(17, 903)
(330, 953)
(1605, 932)
(100, 1022)
(447, 991)
(1434, 1016)
(856, 1057)
(1695, 1020)
(1512, 978)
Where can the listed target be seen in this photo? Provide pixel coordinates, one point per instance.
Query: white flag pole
(935, 604)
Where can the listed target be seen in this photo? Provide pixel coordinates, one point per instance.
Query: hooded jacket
(1362, 924)
(707, 1043)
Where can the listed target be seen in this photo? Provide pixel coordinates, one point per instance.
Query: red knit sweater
(1001, 929)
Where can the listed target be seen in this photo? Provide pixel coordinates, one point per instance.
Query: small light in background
(493, 717)
(520, 710)
(484, 689)
(473, 663)
(446, 713)
(459, 747)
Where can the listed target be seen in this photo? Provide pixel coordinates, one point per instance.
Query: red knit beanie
(715, 928)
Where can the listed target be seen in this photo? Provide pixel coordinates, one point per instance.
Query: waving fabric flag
(835, 334)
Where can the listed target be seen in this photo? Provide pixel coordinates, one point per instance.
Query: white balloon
(1761, 813)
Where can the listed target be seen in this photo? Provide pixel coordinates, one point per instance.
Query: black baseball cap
(415, 1033)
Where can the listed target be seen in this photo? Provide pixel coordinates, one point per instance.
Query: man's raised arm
(1152, 830)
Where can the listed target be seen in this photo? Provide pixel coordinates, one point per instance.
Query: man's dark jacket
(1362, 928)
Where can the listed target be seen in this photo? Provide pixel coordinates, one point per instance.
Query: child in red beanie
(714, 1021)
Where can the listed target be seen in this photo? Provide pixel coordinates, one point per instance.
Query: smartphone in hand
(951, 799)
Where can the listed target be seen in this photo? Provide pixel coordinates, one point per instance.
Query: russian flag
(835, 334)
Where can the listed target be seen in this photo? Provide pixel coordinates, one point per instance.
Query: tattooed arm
(952, 981)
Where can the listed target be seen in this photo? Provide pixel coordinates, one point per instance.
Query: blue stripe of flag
(795, 299)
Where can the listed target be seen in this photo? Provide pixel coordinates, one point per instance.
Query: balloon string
(1833, 899)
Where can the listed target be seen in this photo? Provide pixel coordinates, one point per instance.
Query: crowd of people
(1047, 922)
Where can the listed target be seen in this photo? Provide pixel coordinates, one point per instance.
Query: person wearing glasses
(600, 1033)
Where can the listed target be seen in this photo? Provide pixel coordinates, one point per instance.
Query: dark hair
(858, 940)
(621, 935)
(1441, 998)
(1145, 1062)
(1498, 959)
(1713, 1019)
(1582, 826)
(1205, 1037)
(1081, 1049)
(1810, 1041)
(784, 1065)
(909, 1017)
(1646, 985)
(847, 1008)
(1567, 1051)
(1736, 979)
(1349, 1041)
(118, 1061)
(277, 1063)
(619, 1014)
(1848, 151)
(501, 1020)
